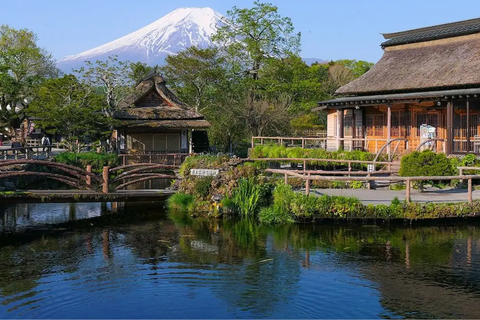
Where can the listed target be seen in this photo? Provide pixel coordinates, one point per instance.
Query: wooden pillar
(340, 129)
(389, 129)
(468, 125)
(354, 129)
(190, 141)
(89, 178)
(407, 190)
(307, 186)
(449, 142)
(286, 179)
(106, 179)
(470, 199)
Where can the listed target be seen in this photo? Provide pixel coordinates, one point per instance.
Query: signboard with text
(204, 172)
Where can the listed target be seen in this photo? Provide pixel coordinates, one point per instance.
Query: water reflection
(141, 263)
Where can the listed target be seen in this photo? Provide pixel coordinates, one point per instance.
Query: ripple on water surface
(159, 269)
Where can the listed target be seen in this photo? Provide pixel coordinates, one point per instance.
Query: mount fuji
(174, 32)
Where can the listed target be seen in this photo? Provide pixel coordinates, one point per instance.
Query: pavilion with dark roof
(425, 89)
(152, 120)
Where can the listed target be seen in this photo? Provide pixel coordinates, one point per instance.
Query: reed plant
(247, 197)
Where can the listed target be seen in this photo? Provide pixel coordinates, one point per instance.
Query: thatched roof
(154, 105)
(441, 64)
(165, 124)
(157, 113)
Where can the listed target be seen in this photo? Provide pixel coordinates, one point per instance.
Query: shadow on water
(171, 266)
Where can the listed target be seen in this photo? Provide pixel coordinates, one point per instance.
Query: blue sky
(331, 30)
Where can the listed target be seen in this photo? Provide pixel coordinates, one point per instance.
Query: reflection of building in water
(151, 184)
(429, 290)
(18, 217)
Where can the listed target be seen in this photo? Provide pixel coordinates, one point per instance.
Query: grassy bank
(243, 189)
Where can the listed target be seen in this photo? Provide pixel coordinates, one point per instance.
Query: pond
(133, 260)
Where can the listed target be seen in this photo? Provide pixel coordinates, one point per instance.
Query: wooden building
(153, 120)
(425, 89)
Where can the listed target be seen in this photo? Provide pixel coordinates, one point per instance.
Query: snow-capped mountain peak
(170, 34)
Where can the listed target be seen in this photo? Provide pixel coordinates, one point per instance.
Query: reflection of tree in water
(420, 272)
(257, 275)
(428, 271)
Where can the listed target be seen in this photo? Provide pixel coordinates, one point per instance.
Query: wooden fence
(306, 160)
(307, 177)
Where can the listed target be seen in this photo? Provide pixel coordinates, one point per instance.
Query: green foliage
(307, 121)
(276, 151)
(180, 201)
(425, 163)
(469, 160)
(396, 202)
(303, 206)
(279, 212)
(202, 162)
(274, 215)
(246, 197)
(23, 67)
(356, 184)
(397, 186)
(203, 186)
(96, 160)
(111, 77)
(70, 109)
(228, 204)
(263, 32)
(138, 71)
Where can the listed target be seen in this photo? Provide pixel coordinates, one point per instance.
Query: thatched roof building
(152, 120)
(154, 105)
(427, 77)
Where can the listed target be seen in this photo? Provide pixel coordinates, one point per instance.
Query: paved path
(386, 196)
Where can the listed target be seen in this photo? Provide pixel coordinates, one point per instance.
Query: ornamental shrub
(425, 163)
(96, 160)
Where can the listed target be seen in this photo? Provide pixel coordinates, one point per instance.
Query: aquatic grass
(246, 196)
(180, 201)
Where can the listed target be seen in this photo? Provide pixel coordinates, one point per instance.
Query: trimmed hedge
(96, 160)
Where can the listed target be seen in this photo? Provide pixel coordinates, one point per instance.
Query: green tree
(251, 36)
(358, 67)
(139, 70)
(111, 77)
(23, 67)
(71, 109)
(194, 73)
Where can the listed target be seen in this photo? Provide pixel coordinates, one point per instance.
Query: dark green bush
(426, 163)
(180, 201)
(96, 160)
(202, 186)
(276, 151)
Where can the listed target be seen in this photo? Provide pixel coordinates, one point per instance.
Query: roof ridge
(432, 28)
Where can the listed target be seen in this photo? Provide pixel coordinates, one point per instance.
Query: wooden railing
(320, 143)
(165, 158)
(40, 152)
(306, 160)
(291, 141)
(408, 180)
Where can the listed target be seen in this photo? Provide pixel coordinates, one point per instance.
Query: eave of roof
(380, 99)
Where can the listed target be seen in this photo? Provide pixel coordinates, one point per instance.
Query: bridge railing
(39, 152)
(160, 158)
